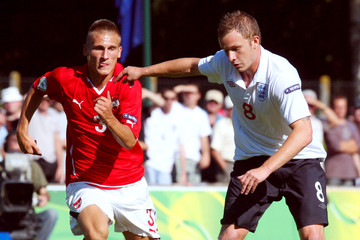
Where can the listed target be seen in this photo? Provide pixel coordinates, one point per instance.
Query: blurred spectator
(12, 101)
(163, 138)
(214, 100)
(343, 140)
(57, 110)
(355, 116)
(46, 218)
(223, 144)
(45, 129)
(155, 98)
(318, 129)
(3, 130)
(151, 101)
(196, 130)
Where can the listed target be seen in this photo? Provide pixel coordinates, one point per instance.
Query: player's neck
(99, 81)
(249, 74)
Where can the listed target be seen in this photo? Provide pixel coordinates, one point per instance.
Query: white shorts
(130, 207)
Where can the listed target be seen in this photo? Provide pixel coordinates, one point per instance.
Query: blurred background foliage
(39, 35)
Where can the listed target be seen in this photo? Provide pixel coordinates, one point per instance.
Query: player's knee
(232, 233)
(313, 232)
(100, 232)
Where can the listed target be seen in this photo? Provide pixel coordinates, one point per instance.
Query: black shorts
(301, 181)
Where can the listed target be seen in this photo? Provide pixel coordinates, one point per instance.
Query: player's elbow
(128, 145)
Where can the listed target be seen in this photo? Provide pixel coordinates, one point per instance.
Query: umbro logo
(231, 83)
(78, 103)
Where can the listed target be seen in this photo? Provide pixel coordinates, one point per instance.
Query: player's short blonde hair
(241, 22)
(103, 25)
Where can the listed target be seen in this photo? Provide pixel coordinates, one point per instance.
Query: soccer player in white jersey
(104, 174)
(275, 155)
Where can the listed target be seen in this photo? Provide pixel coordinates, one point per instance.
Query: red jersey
(93, 155)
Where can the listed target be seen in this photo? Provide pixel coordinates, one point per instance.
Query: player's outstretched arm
(180, 67)
(31, 103)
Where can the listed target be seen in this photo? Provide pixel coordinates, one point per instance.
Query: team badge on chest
(115, 103)
(262, 90)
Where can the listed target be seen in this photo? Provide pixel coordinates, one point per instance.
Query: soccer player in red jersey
(104, 172)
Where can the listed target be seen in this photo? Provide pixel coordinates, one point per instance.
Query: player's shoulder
(279, 63)
(68, 72)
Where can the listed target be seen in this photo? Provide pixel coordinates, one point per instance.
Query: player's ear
(256, 41)
(120, 50)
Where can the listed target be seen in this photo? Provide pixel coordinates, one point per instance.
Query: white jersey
(43, 128)
(222, 138)
(194, 125)
(264, 110)
(162, 135)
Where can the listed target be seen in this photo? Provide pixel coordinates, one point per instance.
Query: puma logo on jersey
(130, 119)
(130, 122)
(78, 103)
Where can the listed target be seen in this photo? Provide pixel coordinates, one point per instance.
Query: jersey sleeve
(130, 106)
(49, 84)
(293, 105)
(210, 67)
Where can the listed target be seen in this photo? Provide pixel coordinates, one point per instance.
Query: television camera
(16, 197)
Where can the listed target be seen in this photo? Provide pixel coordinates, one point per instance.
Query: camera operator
(46, 219)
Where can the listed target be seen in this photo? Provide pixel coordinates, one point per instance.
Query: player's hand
(251, 179)
(131, 74)
(28, 145)
(103, 107)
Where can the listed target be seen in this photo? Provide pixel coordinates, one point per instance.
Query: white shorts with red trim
(130, 207)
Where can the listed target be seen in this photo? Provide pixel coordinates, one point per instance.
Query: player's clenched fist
(103, 107)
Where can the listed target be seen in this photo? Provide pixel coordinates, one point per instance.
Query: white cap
(10, 94)
(310, 93)
(214, 95)
(228, 102)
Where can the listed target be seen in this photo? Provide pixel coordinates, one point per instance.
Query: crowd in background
(187, 143)
(336, 126)
(48, 127)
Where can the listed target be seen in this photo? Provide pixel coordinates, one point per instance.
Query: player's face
(102, 52)
(242, 53)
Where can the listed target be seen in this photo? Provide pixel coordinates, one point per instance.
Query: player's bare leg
(231, 232)
(94, 223)
(131, 236)
(312, 232)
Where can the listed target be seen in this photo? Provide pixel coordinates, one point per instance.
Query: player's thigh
(92, 219)
(230, 232)
(80, 196)
(305, 194)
